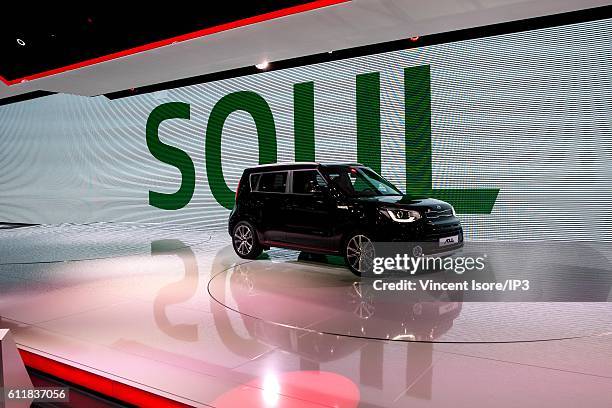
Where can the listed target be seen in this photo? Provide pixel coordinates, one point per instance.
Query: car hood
(407, 202)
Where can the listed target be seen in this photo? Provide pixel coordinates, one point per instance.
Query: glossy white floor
(175, 312)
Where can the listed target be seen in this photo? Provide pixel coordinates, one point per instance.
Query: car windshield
(361, 182)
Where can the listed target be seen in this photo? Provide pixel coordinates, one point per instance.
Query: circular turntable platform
(291, 290)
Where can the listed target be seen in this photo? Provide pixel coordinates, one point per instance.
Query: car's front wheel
(359, 253)
(244, 240)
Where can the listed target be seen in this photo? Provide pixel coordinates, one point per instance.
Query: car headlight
(401, 215)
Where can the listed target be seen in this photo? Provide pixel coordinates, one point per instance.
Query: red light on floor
(292, 390)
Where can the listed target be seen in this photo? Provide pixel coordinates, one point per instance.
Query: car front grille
(438, 214)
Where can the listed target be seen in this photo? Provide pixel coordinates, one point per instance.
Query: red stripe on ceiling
(184, 37)
(102, 385)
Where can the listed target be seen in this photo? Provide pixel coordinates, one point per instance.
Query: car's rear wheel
(359, 253)
(244, 240)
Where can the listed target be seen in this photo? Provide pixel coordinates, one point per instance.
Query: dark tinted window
(254, 180)
(361, 182)
(273, 182)
(307, 182)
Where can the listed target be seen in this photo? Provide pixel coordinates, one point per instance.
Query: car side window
(275, 182)
(254, 181)
(307, 182)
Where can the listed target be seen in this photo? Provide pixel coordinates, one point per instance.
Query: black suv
(335, 209)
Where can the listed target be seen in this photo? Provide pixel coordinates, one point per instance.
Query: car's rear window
(273, 182)
(254, 181)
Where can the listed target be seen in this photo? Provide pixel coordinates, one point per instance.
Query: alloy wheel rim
(360, 253)
(243, 239)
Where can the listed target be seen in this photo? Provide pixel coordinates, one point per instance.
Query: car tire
(245, 242)
(359, 252)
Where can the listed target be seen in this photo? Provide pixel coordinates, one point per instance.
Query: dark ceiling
(31, 44)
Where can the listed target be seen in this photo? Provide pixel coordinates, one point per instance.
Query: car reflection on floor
(294, 305)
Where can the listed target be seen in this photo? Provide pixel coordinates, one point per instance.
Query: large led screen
(514, 130)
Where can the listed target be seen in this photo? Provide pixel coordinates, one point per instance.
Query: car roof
(283, 166)
(295, 166)
(342, 164)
